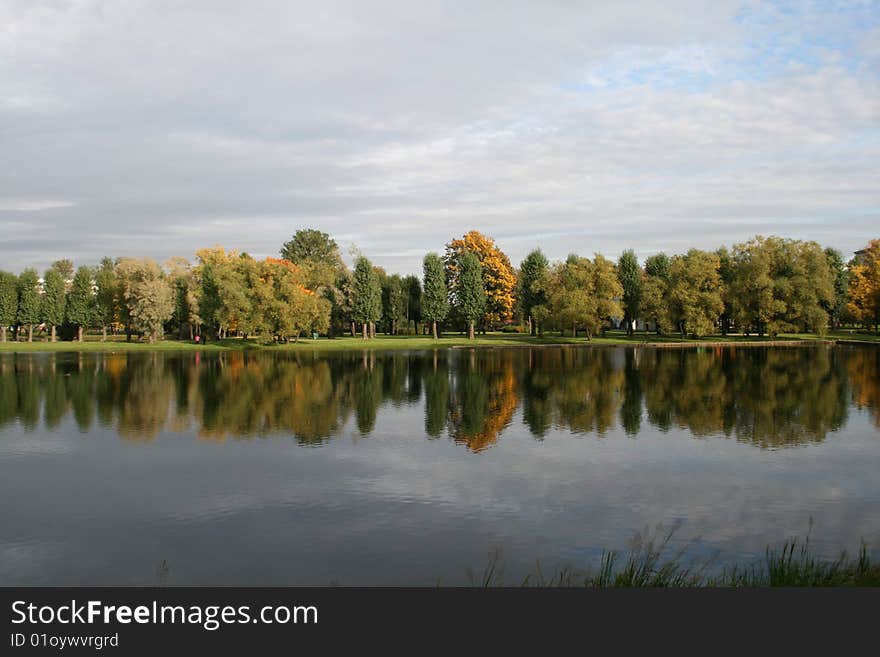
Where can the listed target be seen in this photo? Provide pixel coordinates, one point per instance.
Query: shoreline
(423, 343)
(666, 345)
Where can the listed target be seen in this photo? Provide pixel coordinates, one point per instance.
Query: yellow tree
(499, 276)
(864, 285)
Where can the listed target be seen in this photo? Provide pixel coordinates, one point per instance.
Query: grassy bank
(794, 564)
(387, 342)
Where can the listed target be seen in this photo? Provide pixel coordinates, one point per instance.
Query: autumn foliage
(499, 276)
(864, 285)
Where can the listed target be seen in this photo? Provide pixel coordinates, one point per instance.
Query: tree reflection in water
(768, 397)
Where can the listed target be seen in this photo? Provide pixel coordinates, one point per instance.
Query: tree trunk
(104, 333)
(3, 333)
(30, 332)
(574, 331)
(470, 330)
(365, 330)
(79, 333)
(434, 329)
(53, 334)
(352, 329)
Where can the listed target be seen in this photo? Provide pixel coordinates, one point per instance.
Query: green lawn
(386, 342)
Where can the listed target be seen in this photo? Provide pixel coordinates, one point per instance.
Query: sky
(154, 128)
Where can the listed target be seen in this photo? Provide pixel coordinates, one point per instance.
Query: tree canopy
(367, 294)
(435, 299)
(54, 301)
(29, 301)
(531, 271)
(630, 275)
(80, 301)
(781, 285)
(498, 275)
(864, 285)
(470, 295)
(582, 293)
(8, 302)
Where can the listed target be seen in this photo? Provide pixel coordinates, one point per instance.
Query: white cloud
(575, 127)
(24, 205)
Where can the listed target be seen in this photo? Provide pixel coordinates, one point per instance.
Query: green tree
(606, 290)
(531, 271)
(151, 305)
(584, 293)
(8, 302)
(65, 268)
(322, 272)
(81, 301)
(695, 292)
(367, 297)
(223, 299)
(394, 302)
(727, 272)
(655, 302)
(630, 275)
(655, 292)
(309, 245)
(106, 295)
(435, 299)
(836, 309)
(287, 306)
(658, 265)
(180, 277)
(318, 257)
(470, 296)
(146, 296)
(53, 301)
(341, 319)
(781, 285)
(28, 301)
(414, 301)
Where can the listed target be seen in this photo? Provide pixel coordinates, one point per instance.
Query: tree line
(765, 286)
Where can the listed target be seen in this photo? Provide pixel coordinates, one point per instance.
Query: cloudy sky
(157, 127)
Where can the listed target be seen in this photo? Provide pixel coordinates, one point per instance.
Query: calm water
(409, 468)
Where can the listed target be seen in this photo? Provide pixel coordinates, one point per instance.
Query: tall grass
(650, 563)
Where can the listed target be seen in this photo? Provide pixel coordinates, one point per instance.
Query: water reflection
(863, 367)
(766, 397)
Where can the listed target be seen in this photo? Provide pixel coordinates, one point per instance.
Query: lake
(402, 468)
